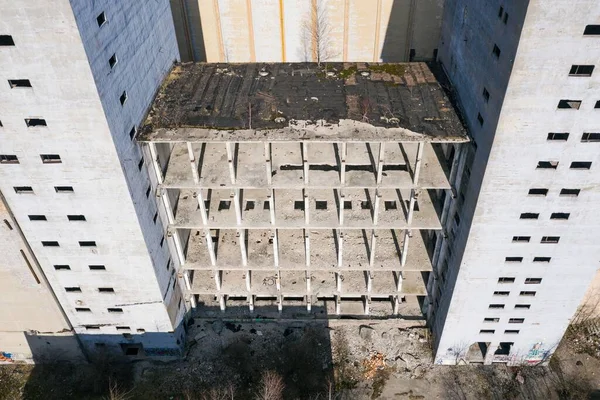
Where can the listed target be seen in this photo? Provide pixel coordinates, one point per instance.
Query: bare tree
(115, 392)
(316, 34)
(271, 386)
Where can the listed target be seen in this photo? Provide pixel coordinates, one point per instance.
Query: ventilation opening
(529, 216)
(559, 216)
(513, 259)
(106, 290)
(542, 259)
(97, 267)
(50, 158)
(37, 218)
(63, 189)
(88, 243)
(73, 289)
(8, 159)
(23, 189)
(62, 267)
(50, 244)
(550, 239)
(538, 192)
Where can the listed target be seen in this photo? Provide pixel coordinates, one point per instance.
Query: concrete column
(376, 207)
(278, 281)
(243, 250)
(306, 206)
(373, 245)
(251, 302)
(338, 305)
(272, 206)
(211, 247)
(395, 305)
(407, 235)
(305, 164)
(167, 203)
(341, 212)
(178, 246)
(268, 163)
(202, 206)
(307, 247)
(343, 166)
(193, 300)
(186, 280)
(308, 303)
(380, 162)
(248, 281)
(411, 206)
(367, 304)
(193, 163)
(399, 282)
(155, 164)
(275, 248)
(338, 281)
(237, 205)
(230, 162)
(340, 257)
(222, 302)
(369, 282)
(418, 163)
(280, 303)
(218, 279)
(458, 156)
(307, 274)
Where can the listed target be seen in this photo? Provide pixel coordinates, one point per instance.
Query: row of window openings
(562, 104)
(119, 328)
(506, 331)
(86, 243)
(526, 239)
(520, 259)
(522, 293)
(77, 289)
(528, 281)
(29, 189)
(110, 310)
(564, 136)
(558, 215)
(64, 267)
(319, 205)
(69, 217)
(563, 192)
(46, 159)
(554, 165)
(510, 321)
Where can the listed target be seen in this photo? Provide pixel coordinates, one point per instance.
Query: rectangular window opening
(266, 205)
(496, 51)
(521, 239)
(321, 204)
(513, 259)
(581, 70)
(123, 328)
(581, 165)
(511, 331)
(8, 159)
(76, 217)
(505, 19)
(347, 205)
(112, 61)
(527, 293)
(114, 310)
(132, 133)
(542, 259)
(101, 19)
(591, 30)
(37, 218)
(569, 104)
(19, 83)
(141, 164)
(491, 320)
(73, 289)
(533, 281)
(547, 165)
(506, 279)
(63, 189)
(597, 105)
(529, 216)
(224, 205)
(496, 306)
(522, 306)
(33, 122)
(570, 192)
(50, 244)
(365, 205)
(563, 216)
(250, 204)
(550, 239)
(87, 243)
(501, 293)
(486, 95)
(23, 189)
(390, 205)
(6, 40)
(155, 217)
(106, 290)
(123, 98)
(558, 136)
(537, 192)
(50, 158)
(97, 267)
(480, 119)
(590, 137)
(487, 331)
(82, 309)
(62, 267)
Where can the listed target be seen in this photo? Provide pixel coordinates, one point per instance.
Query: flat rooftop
(301, 101)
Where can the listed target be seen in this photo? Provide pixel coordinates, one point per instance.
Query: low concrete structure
(299, 185)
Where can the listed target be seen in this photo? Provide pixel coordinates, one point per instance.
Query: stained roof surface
(199, 100)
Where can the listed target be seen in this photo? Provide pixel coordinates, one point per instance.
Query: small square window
(224, 205)
(390, 205)
(9, 159)
(23, 189)
(123, 98)
(266, 205)
(597, 105)
(569, 104)
(97, 267)
(63, 189)
(6, 40)
(591, 30)
(88, 243)
(76, 217)
(550, 239)
(581, 70)
(590, 137)
(114, 310)
(558, 136)
(94, 328)
(542, 259)
(496, 306)
(506, 279)
(547, 165)
(533, 281)
(559, 215)
(527, 293)
(106, 290)
(480, 119)
(486, 95)
(132, 133)
(50, 243)
(496, 51)
(321, 205)
(581, 165)
(513, 259)
(570, 192)
(19, 83)
(37, 218)
(250, 204)
(347, 205)
(537, 192)
(500, 293)
(487, 331)
(529, 216)
(365, 205)
(82, 309)
(112, 61)
(62, 267)
(101, 19)
(73, 289)
(522, 306)
(521, 239)
(33, 122)
(50, 158)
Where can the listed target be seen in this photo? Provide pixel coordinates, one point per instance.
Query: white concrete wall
(521, 112)
(90, 130)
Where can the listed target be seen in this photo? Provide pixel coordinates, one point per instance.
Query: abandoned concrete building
(293, 187)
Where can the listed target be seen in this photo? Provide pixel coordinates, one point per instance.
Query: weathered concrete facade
(79, 189)
(291, 30)
(290, 187)
(523, 256)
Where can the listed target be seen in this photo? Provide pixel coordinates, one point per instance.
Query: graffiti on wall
(536, 354)
(6, 357)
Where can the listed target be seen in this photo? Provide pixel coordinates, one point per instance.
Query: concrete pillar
(167, 204)
(237, 205)
(373, 245)
(275, 248)
(338, 281)
(193, 300)
(155, 164)
(178, 246)
(338, 305)
(268, 163)
(407, 235)
(307, 274)
(380, 162)
(217, 275)
(341, 212)
(307, 247)
(243, 250)
(248, 281)
(411, 206)
(222, 303)
(395, 305)
(186, 280)
(211, 248)
(376, 207)
(369, 281)
(340, 237)
(306, 199)
(367, 304)
(305, 164)
(308, 303)
(251, 302)
(399, 282)
(230, 160)
(278, 281)
(193, 165)
(343, 166)
(418, 163)
(280, 303)
(202, 206)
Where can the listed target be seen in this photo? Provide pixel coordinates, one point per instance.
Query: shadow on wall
(230, 350)
(397, 35)
(188, 29)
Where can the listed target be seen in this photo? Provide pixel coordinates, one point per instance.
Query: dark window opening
(50, 158)
(581, 165)
(224, 205)
(32, 122)
(550, 239)
(486, 95)
(533, 281)
(148, 191)
(569, 104)
(23, 189)
(101, 19)
(513, 259)
(50, 243)
(6, 40)
(597, 105)
(89, 243)
(500, 12)
(266, 205)
(73, 289)
(523, 306)
(529, 216)
(496, 306)
(487, 331)
(250, 205)
(37, 218)
(527, 293)
(365, 205)
(63, 189)
(321, 205)
(538, 192)
(505, 19)
(500, 293)
(62, 267)
(162, 241)
(76, 217)
(547, 165)
(506, 279)
(132, 133)
(511, 331)
(521, 239)
(9, 159)
(570, 192)
(562, 136)
(559, 215)
(347, 205)
(106, 290)
(155, 217)
(141, 164)
(123, 97)
(97, 267)
(114, 310)
(581, 70)
(480, 119)
(496, 51)
(390, 205)
(82, 309)
(123, 328)
(491, 320)
(542, 259)
(112, 61)
(591, 30)
(590, 137)
(19, 83)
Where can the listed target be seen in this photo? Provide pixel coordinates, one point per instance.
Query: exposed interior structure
(290, 186)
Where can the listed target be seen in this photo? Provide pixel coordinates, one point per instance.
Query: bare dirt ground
(313, 360)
